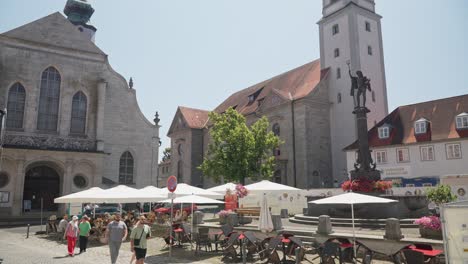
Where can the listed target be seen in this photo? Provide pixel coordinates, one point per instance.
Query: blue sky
(196, 53)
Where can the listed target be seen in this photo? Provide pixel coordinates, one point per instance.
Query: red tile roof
(195, 118)
(298, 83)
(441, 115)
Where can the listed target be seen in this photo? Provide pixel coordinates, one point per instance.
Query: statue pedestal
(373, 175)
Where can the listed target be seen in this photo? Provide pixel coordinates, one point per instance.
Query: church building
(309, 107)
(70, 121)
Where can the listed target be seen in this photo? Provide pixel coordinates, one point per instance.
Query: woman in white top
(71, 233)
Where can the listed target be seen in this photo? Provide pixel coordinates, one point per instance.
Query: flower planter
(430, 233)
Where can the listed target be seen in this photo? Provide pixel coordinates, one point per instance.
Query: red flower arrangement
(241, 191)
(366, 186)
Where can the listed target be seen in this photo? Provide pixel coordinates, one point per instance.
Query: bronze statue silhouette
(360, 83)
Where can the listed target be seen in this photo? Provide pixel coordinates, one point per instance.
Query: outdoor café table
(429, 253)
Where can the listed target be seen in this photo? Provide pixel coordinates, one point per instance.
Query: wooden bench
(248, 211)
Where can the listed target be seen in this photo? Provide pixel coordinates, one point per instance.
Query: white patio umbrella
(222, 188)
(193, 199)
(265, 223)
(269, 186)
(125, 194)
(185, 189)
(352, 199)
(86, 196)
(151, 190)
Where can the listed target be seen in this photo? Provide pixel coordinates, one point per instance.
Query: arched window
(78, 114)
(49, 100)
(126, 168)
(373, 96)
(180, 171)
(15, 106)
(276, 129)
(338, 73)
(338, 98)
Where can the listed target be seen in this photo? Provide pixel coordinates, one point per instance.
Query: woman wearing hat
(138, 245)
(71, 233)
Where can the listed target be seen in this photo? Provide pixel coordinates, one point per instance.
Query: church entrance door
(41, 182)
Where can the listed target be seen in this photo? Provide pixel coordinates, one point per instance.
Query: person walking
(116, 233)
(138, 237)
(71, 232)
(84, 227)
(62, 226)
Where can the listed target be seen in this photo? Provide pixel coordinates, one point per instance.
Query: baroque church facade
(309, 108)
(71, 121)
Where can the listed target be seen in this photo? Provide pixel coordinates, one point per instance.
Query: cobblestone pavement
(40, 249)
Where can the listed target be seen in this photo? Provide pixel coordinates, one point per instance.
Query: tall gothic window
(49, 100)
(15, 106)
(126, 168)
(78, 114)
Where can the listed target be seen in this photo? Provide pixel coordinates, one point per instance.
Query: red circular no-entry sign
(172, 183)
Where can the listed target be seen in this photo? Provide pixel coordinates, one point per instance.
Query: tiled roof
(195, 118)
(441, 115)
(294, 84)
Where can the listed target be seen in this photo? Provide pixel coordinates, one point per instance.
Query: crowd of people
(116, 232)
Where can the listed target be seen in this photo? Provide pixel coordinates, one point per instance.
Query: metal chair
(202, 239)
(329, 252)
(414, 257)
(222, 237)
(230, 251)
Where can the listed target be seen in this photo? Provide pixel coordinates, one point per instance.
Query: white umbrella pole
(191, 233)
(354, 233)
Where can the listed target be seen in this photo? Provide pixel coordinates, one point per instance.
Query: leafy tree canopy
(441, 194)
(236, 151)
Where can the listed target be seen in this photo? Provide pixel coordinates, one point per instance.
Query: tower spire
(79, 12)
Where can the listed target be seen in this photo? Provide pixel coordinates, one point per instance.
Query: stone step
(348, 222)
(356, 220)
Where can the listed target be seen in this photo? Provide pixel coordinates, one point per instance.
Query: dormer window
(462, 121)
(420, 126)
(254, 96)
(384, 132)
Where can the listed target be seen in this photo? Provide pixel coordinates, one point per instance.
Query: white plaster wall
(372, 67)
(342, 124)
(417, 168)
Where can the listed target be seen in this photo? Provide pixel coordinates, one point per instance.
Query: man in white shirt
(62, 226)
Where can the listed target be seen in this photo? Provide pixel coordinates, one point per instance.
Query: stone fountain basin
(408, 206)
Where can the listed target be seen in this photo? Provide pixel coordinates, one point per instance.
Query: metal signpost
(171, 186)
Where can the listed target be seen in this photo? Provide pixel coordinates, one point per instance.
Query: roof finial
(130, 83)
(156, 118)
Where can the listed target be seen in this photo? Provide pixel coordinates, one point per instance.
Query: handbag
(136, 242)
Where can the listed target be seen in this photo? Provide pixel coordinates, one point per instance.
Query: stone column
(17, 206)
(67, 179)
(101, 93)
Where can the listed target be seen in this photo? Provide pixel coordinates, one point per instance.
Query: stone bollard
(198, 218)
(324, 225)
(392, 229)
(277, 224)
(284, 213)
(232, 219)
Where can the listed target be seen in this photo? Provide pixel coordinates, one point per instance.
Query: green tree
(441, 194)
(166, 154)
(236, 151)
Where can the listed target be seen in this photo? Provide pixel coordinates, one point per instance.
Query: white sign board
(455, 230)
